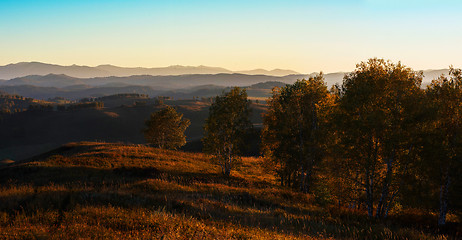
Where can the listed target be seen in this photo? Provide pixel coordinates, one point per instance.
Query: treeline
(64, 107)
(115, 97)
(81, 105)
(11, 104)
(378, 141)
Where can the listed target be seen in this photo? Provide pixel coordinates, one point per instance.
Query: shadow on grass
(44, 175)
(63, 188)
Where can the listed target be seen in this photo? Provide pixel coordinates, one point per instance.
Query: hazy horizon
(303, 36)
(213, 66)
(164, 66)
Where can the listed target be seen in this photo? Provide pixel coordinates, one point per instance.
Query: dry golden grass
(112, 114)
(93, 190)
(193, 105)
(6, 161)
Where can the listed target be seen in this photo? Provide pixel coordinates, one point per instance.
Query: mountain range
(199, 85)
(175, 81)
(52, 85)
(23, 69)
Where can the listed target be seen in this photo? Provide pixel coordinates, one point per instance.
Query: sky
(302, 35)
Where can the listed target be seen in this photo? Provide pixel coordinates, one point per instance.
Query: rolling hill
(176, 82)
(95, 190)
(181, 86)
(31, 132)
(162, 82)
(78, 91)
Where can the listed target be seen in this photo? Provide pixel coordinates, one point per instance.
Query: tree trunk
(226, 168)
(387, 206)
(282, 179)
(228, 162)
(369, 197)
(444, 198)
(227, 171)
(370, 174)
(301, 178)
(381, 206)
(289, 180)
(301, 150)
(308, 180)
(301, 162)
(304, 180)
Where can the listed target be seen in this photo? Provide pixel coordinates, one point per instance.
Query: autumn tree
(293, 137)
(443, 142)
(226, 127)
(376, 118)
(165, 129)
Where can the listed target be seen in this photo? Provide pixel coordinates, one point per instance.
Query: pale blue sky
(305, 36)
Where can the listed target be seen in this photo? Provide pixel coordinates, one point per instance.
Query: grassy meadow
(114, 191)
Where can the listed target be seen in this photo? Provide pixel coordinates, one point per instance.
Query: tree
(376, 119)
(294, 130)
(226, 127)
(165, 129)
(443, 146)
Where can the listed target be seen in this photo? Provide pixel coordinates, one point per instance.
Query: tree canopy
(165, 129)
(294, 133)
(226, 127)
(375, 120)
(443, 139)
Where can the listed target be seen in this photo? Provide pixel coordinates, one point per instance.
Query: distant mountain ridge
(23, 69)
(180, 86)
(168, 82)
(76, 92)
(175, 82)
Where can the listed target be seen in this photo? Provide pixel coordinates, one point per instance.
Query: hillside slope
(115, 191)
(28, 133)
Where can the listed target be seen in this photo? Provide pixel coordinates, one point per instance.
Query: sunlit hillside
(114, 191)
